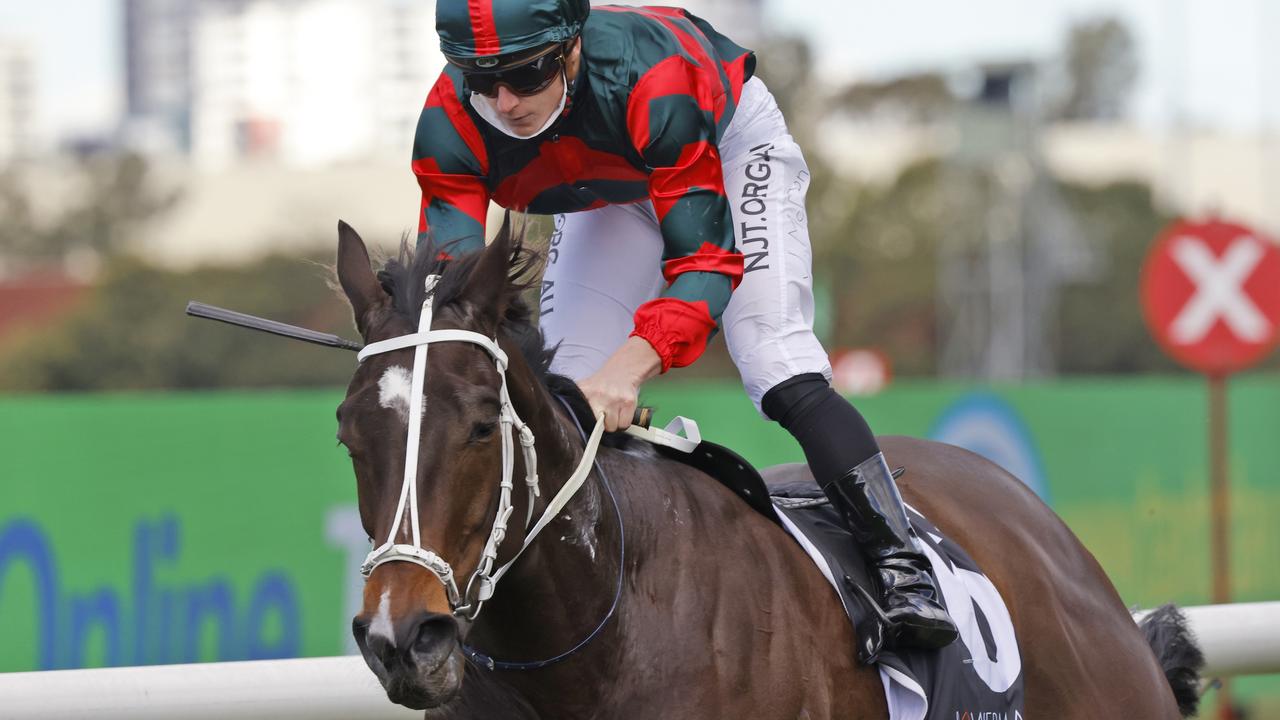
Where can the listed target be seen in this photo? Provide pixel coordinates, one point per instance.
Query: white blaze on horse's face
(394, 388)
(381, 624)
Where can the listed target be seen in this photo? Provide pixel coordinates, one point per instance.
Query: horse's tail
(1166, 631)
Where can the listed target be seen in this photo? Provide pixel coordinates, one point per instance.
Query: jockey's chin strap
(480, 587)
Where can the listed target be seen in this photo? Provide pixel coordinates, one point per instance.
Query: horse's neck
(528, 600)
(565, 580)
(564, 586)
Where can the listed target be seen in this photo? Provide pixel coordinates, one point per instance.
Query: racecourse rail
(1237, 639)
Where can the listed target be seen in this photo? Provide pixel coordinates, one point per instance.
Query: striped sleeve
(671, 117)
(450, 163)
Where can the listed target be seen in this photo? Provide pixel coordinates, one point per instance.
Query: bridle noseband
(480, 586)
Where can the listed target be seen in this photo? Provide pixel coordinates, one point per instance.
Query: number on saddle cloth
(981, 673)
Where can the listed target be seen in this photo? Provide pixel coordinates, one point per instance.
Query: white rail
(337, 688)
(1238, 639)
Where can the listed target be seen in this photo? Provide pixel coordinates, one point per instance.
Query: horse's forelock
(404, 278)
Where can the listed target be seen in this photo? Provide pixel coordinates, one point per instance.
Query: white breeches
(603, 264)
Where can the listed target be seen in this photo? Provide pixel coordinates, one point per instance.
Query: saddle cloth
(978, 677)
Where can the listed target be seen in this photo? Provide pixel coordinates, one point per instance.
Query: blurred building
(17, 100)
(158, 75)
(309, 82)
(301, 82)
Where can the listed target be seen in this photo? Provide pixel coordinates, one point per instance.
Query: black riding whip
(231, 317)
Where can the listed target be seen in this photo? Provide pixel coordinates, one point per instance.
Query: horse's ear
(355, 274)
(486, 289)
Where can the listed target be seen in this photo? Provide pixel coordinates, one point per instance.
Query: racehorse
(655, 592)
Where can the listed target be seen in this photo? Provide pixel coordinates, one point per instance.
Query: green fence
(140, 529)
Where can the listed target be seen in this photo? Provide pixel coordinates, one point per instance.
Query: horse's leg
(1082, 654)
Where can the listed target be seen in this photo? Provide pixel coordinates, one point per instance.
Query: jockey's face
(525, 114)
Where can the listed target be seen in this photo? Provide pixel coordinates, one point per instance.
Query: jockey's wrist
(638, 360)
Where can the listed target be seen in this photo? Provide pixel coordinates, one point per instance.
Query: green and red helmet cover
(474, 29)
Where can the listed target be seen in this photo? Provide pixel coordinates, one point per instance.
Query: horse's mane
(404, 279)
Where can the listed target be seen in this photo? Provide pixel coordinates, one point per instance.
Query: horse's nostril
(374, 646)
(424, 640)
(359, 628)
(435, 641)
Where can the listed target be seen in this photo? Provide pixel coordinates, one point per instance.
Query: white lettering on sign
(1219, 291)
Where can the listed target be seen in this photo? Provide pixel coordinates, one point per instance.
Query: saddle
(977, 676)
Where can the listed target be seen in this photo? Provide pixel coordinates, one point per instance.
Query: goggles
(529, 78)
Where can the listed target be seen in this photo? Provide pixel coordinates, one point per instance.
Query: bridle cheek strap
(480, 587)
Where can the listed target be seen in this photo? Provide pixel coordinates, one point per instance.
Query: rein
(480, 586)
(489, 663)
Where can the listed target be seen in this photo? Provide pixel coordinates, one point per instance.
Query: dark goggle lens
(526, 79)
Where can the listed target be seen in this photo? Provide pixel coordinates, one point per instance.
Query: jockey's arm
(451, 218)
(450, 163)
(672, 126)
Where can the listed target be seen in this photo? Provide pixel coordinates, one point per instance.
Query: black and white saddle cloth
(978, 677)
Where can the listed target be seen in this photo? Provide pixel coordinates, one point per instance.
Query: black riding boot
(869, 500)
(847, 463)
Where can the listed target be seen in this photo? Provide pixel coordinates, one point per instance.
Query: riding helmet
(490, 34)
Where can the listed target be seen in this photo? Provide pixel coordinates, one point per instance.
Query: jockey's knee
(834, 435)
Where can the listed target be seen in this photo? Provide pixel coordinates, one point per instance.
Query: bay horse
(654, 592)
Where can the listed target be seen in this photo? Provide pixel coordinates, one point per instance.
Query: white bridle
(480, 587)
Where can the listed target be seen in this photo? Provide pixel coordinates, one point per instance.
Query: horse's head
(408, 629)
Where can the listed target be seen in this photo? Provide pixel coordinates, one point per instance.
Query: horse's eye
(482, 431)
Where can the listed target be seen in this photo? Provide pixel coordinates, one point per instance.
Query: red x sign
(1211, 295)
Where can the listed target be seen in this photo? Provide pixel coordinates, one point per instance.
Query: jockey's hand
(615, 387)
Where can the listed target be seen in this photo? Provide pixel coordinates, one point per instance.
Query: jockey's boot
(868, 498)
(835, 437)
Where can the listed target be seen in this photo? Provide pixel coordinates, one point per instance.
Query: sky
(1209, 62)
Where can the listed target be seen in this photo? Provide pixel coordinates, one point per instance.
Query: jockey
(678, 197)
